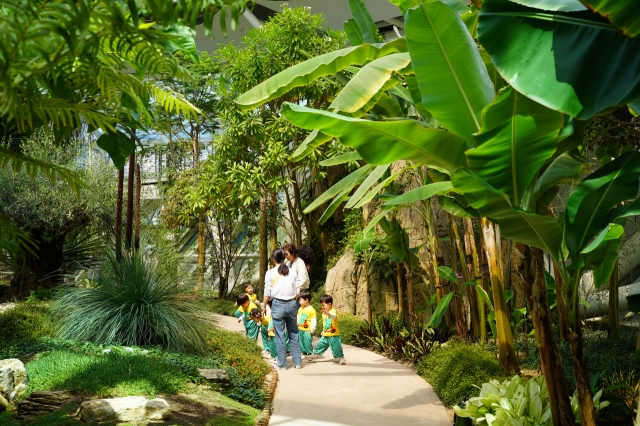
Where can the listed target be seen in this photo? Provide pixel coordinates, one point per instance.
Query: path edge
(271, 384)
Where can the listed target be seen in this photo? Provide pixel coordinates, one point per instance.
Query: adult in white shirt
(297, 264)
(280, 286)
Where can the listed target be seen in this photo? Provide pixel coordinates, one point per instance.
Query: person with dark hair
(297, 264)
(248, 290)
(306, 323)
(330, 332)
(264, 323)
(280, 285)
(307, 255)
(245, 306)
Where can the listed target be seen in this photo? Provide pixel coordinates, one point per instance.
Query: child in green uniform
(330, 332)
(249, 291)
(245, 306)
(263, 323)
(306, 323)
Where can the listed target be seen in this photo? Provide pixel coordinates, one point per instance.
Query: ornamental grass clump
(131, 302)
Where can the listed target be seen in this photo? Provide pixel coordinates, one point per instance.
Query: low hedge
(456, 368)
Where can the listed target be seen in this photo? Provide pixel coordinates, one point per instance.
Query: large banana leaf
(563, 169)
(517, 137)
(376, 76)
(364, 240)
(574, 62)
(371, 180)
(418, 194)
(353, 32)
(601, 255)
(438, 313)
(452, 78)
(588, 206)
(341, 159)
(630, 209)
(364, 22)
(624, 14)
(451, 206)
(370, 196)
(347, 182)
(405, 5)
(340, 198)
(518, 225)
(314, 68)
(383, 142)
(311, 142)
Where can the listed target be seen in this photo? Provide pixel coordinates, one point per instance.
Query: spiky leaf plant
(131, 303)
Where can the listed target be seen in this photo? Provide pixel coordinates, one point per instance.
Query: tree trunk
(581, 374)
(471, 249)
(400, 293)
(506, 346)
(39, 270)
(637, 422)
(128, 235)
(550, 359)
(455, 248)
(466, 259)
(563, 325)
(201, 251)
(367, 280)
(614, 320)
(262, 238)
(118, 229)
(410, 304)
(638, 340)
(136, 233)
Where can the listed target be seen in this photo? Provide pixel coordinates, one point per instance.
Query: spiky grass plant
(132, 302)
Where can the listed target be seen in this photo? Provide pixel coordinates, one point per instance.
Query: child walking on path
(330, 332)
(306, 323)
(265, 323)
(243, 313)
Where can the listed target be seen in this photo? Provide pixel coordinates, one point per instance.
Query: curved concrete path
(369, 390)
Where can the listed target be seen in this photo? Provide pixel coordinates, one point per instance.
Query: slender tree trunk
(466, 259)
(119, 215)
(550, 359)
(614, 320)
(128, 235)
(637, 422)
(563, 325)
(470, 244)
(638, 340)
(400, 292)
(367, 280)
(410, 303)
(136, 233)
(202, 250)
(506, 347)
(262, 238)
(458, 305)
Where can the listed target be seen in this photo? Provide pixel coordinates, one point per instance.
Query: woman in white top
(280, 285)
(297, 264)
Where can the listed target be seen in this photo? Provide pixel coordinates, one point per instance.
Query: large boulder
(129, 409)
(13, 382)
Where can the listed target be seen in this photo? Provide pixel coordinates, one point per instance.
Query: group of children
(256, 323)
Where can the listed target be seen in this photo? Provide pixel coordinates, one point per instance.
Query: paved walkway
(369, 390)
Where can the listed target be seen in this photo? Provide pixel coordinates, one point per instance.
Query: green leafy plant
(131, 303)
(516, 401)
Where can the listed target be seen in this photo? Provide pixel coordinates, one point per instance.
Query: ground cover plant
(455, 369)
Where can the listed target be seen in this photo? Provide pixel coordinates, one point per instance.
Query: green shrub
(132, 303)
(6, 419)
(218, 306)
(248, 369)
(24, 323)
(456, 368)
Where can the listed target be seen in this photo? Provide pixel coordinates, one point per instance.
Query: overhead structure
(385, 15)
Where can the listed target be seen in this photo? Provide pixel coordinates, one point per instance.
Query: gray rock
(41, 402)
(13, 381)
(129, 409)
(214, 374)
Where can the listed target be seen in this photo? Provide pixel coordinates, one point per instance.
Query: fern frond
(33, 166)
